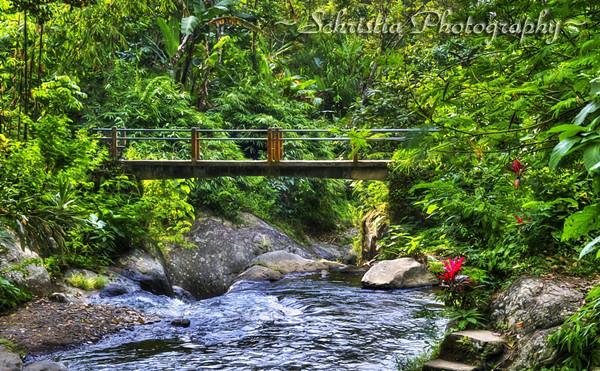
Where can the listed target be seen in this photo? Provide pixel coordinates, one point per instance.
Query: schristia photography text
(542, 24)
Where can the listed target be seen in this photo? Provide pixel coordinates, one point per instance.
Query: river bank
(43, 326)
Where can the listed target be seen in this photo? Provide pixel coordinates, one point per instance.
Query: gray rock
(61, 297)
(23, 267)
(45, 366)
(222, 251)
(113, 290)
(285, 263)
(398, 273)
(373, 227)
(139, 266)
(9, 361)
(343, 253)
(180, 322)
(260, 273)
(531, 304)
(183, 295)
(534, 351)
(116, 279)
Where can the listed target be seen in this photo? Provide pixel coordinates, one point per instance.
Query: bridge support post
(114, 144)
(194, 144)
(269, 145)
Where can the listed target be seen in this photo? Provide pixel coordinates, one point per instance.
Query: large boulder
(23, 266)
(532, 303)
(534, 351)
(533, 309)
(222, 251)
(398, 273)
(9, 361)
(141, 267)
(285, 263)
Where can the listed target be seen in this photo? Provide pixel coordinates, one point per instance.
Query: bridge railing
(274, 138)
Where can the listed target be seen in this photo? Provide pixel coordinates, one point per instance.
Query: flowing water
(302, 322)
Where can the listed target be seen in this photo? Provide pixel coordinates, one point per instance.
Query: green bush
(87, 283)
(10, 295)
(579, 337)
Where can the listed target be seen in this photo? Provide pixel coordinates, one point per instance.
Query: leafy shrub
(462, 319)
(87, 283)
(579, 335)
(10, 295)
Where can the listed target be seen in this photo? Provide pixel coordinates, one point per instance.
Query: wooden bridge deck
(275, 164)
(163, 169)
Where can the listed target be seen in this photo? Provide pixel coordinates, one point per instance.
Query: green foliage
(398, 244)
(81, 281)
(463, 319)
(10, 295)
(578, 336)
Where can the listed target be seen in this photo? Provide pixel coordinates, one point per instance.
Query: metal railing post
(114, 144)
(279, 144)
(269, 145)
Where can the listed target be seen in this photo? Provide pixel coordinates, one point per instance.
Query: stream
(302, 322)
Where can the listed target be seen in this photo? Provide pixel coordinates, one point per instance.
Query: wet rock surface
(222, 251)
(285, 263)
(149, 272)
(260, 273)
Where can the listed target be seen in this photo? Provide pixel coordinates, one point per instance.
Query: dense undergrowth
(509, 182)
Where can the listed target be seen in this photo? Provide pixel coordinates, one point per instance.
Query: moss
(12, 347)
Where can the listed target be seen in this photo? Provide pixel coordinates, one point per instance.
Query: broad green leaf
(561, 150)
(188, 24)
(431, 208)
(590, 108)
(595, 89)
(591, 156)
(589, 247)
(567, 130)
(170, 35)
(582, 222)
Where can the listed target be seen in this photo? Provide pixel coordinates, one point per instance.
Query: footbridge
(275, 164)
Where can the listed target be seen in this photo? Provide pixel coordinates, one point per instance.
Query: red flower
(453, 266)
(518, 167)
(519, 220)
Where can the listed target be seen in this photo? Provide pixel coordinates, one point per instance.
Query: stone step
(443, 365)
(477, 347)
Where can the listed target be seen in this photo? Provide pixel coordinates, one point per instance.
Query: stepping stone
(472, 346)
